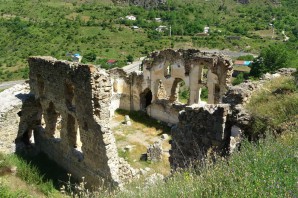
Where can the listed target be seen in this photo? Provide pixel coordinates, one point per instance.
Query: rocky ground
(10, 104)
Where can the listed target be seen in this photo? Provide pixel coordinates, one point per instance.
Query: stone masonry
(207, 130)
(70, 105)
(69, 118)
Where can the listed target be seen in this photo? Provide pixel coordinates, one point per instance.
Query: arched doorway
(146, 98)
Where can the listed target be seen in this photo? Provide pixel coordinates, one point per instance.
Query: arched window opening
(53, 121)
(161, 93)
(204, 94)
(27, 137)
(179, 92)
(73, 133)
(203, 72)
(146, 98)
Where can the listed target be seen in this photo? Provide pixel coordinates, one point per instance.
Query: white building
(158, 19)
(161, 28)
(131, 18)
(206, 30)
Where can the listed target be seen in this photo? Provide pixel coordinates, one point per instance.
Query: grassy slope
(56, 27)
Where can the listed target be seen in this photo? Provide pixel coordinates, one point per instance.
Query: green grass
(266, 169)
(6, 192)
(277, 106)
(32, 174)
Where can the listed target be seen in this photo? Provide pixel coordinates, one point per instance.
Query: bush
(90, 57)
(269, 60)
(129, 58)
(240, 78)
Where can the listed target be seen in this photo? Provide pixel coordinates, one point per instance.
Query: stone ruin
(70, 105)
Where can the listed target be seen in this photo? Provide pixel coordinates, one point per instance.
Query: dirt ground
(133, 141)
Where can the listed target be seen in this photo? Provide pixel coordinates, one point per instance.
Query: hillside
(99, 31)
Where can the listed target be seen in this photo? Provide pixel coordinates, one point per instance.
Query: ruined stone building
(71, 104)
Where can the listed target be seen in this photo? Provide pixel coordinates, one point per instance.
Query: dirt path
(5, 85)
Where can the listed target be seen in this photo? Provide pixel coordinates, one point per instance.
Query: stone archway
(146, 98)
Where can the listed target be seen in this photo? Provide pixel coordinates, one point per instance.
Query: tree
(295, 31)
(129, 58)
(90, 57)
(269, 60)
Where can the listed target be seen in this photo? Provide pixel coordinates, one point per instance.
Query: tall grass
(6, 192)
(275, 106)
(28, 173)
(265, 169)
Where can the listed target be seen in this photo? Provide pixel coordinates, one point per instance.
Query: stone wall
(126, 90)
(164, 71)
(201, 131)
(69, 116)
(207, 130)
(72, 104)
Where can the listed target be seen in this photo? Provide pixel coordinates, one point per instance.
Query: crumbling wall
(201, 131)
(207, 129)
(79, 96)
(126, 92)
(164, 70)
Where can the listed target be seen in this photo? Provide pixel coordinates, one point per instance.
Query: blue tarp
(247, 63)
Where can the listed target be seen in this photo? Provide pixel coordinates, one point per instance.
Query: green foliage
(6, 192)
(204, 94)
(30, 174)
(295, 30)
(246, 57)
(277, 103)
(129, 58)
(184, 95)
(54, 28)
(269, 60)
(154, 35)
(240, 78)
(89, 57)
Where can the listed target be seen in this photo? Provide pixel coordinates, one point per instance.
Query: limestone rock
(164, 136)
(154, 152)
(153, 179)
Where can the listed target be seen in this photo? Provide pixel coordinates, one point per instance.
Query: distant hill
(100, 31)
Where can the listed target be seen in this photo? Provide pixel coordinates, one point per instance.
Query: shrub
(129, 58)
(269, 60)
